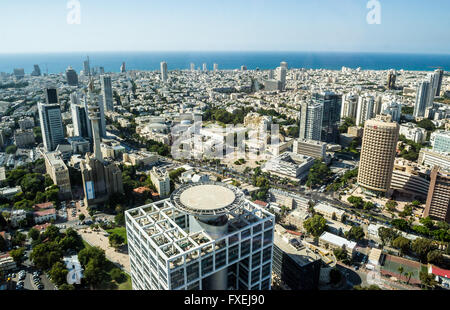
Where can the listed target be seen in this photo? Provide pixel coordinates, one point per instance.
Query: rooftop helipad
(207, 198)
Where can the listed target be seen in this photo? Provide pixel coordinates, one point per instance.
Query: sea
(111, 61)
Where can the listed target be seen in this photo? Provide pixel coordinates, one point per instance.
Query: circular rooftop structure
(208, 199)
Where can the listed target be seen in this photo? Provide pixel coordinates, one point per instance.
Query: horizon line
(225, 51)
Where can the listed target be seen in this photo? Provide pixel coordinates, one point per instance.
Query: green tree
(66, 287)
(3, 223)
(402, 244)
(319, 174)
(400, 270)
(18, 239)
(426, 124)
(33, 233)
(400, 224)
(71, 240)
(116, 240)
(94, 275)
(81, 217)
(435, 257)
(3, 245)
(117, 275)
(355, 233)
(421, 247)
(387, 235)
(341, 255)
(18, 255)
(95, 254)
(315, 225)
(391, 205)
(119, 219)
(427, 222)
(11, 149)
(409, 274)
(356, 202)
(427, 280)
(58, 274)
(45, 255)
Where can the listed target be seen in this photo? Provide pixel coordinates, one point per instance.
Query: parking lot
(28, 279)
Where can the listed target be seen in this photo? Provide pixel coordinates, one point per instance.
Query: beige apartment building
(438, 200)
(378, 154)
(161, 181)
(58, 171)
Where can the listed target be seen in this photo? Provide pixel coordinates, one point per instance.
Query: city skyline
(233, 26)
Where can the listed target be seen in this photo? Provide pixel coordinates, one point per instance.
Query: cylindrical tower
(208, 204)
(378, 154)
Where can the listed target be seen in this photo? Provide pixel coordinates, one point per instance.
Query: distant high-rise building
(107, 93)
(377, 105)
(71, 76)
(192, 66)
(281, 73)
(391, 80)
(19, 73)
(36, 71)
(394, 109)
(310, 120)
(243, 68)
(439, 73)
(378, 154)
(271, 75)
(51, 125)
(122, 68)
(216, 67)
(86, 67)
(365, 109)
(438, 201)
(433, 78)
(422, 99)
(92, 99)
(205, 68)
(101, 70)
(80, 119)
(101, 178)
(164, 72)
(284, 64)
(331, 105)
(51, 95)
(349, 106)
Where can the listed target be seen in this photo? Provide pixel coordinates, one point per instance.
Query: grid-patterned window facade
(164, 255)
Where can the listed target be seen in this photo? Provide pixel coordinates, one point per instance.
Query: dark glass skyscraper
(51, 96)
(331, 104)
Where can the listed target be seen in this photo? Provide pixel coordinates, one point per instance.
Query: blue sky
(413, 26)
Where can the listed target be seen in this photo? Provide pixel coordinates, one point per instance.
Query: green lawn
(120, 231)
(109, 284)
(126, 286)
